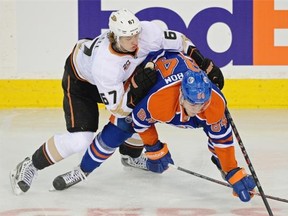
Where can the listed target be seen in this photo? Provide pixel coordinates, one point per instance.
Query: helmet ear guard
(124, 23)
(196, 87)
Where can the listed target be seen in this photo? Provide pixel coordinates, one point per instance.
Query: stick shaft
(222, 183)
(248, 161)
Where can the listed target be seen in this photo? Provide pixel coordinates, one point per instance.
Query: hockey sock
(40, 158)
(103, 146)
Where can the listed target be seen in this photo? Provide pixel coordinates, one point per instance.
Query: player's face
(194, 109)
(129, 43)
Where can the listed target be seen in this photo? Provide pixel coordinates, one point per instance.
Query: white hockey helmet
(124, 23)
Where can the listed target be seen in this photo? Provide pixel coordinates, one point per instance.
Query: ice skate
(22, 176)
(69, 179)
(139, 162)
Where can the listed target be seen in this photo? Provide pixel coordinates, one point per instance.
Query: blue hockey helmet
(196, 87)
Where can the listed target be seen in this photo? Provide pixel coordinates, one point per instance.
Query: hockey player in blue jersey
(191, 101)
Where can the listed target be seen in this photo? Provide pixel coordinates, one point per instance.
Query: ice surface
(115, 190)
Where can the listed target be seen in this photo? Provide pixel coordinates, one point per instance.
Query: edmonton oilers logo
(190, 80)
(128, 119)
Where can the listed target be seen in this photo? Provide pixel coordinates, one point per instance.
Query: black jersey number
(105, 100)
(170, 35)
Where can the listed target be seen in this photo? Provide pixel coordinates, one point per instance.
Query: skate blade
(52, 189)
(14, 186)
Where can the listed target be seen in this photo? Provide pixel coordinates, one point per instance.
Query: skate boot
(69, 179)
(22, 176)
(139, 162)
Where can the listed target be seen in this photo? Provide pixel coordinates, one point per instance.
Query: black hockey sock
(40, 158)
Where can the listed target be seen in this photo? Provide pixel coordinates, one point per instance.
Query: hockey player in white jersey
(94, 73)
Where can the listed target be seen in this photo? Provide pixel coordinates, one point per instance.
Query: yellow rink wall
(246, 93)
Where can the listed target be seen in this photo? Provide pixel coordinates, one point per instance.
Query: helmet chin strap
(181, 100)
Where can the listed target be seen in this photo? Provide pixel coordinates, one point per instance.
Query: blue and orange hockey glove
(158, 156)
(241, 183)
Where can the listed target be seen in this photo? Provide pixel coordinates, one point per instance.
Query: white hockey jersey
(96, 62)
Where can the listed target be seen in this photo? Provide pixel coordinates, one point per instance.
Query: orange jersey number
(167, 66)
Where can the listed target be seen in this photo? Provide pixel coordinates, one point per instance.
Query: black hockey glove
(215, 75)
(141, 82)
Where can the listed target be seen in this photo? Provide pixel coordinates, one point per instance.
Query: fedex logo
(253, 26)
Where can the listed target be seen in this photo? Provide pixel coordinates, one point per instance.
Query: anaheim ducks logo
(114, 18)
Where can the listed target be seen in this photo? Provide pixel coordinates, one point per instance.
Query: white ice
(115, 190)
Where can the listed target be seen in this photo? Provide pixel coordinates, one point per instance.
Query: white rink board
(37, 36)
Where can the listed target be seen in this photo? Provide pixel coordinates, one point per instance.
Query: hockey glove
(215, 75)
(241, 183)
(142, 81)
(158, 157)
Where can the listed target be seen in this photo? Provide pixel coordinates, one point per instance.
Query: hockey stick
(248, 161)
(222, 183)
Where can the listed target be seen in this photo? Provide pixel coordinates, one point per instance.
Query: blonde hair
(112, 38)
